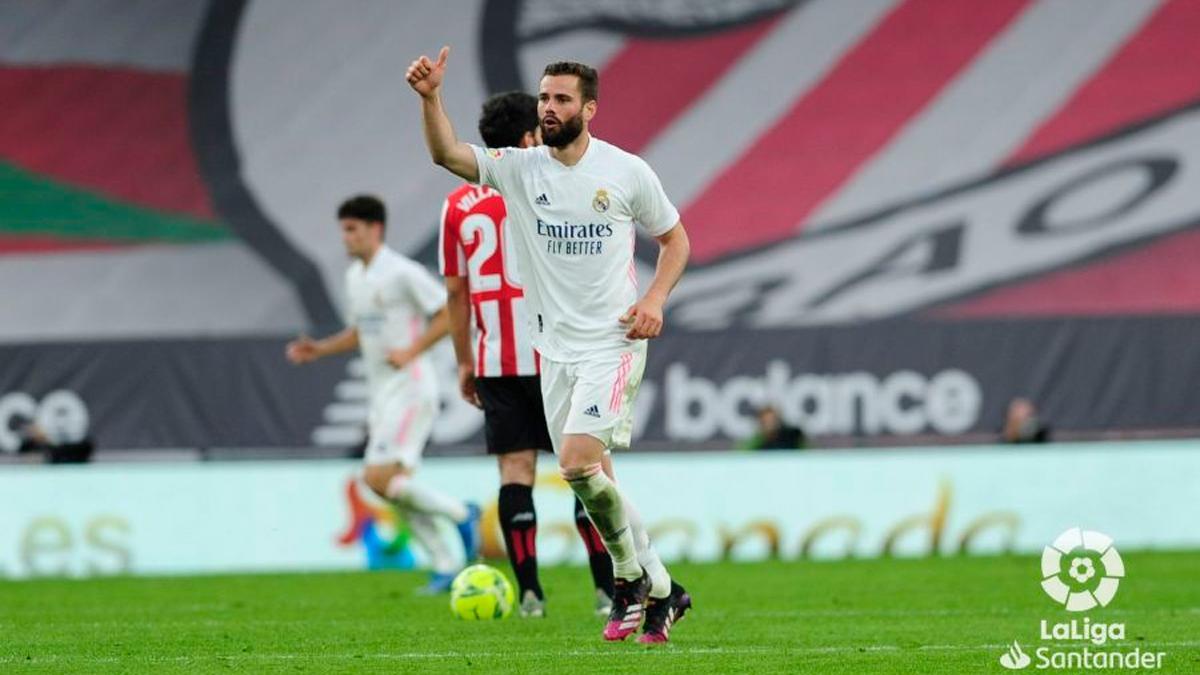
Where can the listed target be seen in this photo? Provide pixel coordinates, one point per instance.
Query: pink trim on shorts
(614, 403)
(405, 426)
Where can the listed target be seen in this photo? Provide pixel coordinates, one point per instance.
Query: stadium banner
(893, 378)
(167, 518)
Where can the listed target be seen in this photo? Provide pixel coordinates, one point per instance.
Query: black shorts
(514, 418)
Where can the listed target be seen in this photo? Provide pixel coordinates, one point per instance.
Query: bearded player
(573, 204)
(498, 370)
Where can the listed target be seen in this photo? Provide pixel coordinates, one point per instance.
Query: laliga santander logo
(1081, 569)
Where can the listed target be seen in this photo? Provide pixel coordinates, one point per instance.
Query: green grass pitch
(952, 615)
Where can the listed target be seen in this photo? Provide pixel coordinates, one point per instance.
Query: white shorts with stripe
(401, 422)
(594, 396)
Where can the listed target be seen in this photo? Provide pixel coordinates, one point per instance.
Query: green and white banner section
(170, 518)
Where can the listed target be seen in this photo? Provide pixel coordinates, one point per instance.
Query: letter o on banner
(1155, 172)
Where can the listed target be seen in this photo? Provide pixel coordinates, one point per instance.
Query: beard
(563, 133)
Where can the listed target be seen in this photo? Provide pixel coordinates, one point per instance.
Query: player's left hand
(400, 358)
(466, 384)
(644, 320)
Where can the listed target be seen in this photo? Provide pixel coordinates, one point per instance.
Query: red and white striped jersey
(474, 245)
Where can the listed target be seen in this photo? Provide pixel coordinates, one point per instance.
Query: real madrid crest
(600, 201)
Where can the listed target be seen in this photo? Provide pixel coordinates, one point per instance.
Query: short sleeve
(452, 259)
(427, 292)
(500, 167)
(652, 209)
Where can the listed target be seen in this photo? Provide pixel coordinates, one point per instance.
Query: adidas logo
(542, 200)
(593, 411)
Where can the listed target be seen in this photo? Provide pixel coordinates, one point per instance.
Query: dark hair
(506, 118)
(368, 208)
(589, 80)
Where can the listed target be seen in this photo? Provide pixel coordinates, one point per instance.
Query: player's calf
(518, 523)
(598, 559)
(606, 510)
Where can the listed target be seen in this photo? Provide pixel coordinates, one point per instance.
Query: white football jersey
(573, 227)
(388, 301)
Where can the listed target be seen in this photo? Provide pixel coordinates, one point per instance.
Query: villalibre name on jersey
(570, 239)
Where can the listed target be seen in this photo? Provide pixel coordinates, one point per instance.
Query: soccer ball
(481, 592)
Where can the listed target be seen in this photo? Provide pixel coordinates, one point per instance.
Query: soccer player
(389, 298)
(573, 203)
(499, 371)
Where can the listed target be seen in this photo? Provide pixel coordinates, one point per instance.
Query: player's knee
(386, 481)
(590, 485)
(580, 450)
(518, 467)
(573, 474)
(374, 480)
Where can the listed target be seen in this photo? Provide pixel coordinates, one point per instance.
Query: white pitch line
(834, 613)
(716, 613)
(615, 651)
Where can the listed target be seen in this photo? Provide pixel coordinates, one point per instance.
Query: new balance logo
(542, 200)
(593, 411)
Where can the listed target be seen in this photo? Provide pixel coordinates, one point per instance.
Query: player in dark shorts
(498, 369)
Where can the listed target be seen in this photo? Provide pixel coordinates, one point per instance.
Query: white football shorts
(401, 422)
(594, 396)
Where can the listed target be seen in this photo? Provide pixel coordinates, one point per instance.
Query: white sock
(660, 579)
(424, 529)
(605, 507)
(408, 493)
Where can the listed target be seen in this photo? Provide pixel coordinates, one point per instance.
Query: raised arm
(425, 77)
(645, 319)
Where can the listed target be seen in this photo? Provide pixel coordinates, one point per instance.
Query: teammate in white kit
(389, 298)
(573, 204)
